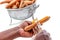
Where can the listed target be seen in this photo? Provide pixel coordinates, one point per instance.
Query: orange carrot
(21, 2)
(11, 3)
(28, 2)
(5, 2)
(14, 7)
(17, 4)
(33, 1)
(34, 24)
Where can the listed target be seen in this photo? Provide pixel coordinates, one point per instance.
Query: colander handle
(35, 7)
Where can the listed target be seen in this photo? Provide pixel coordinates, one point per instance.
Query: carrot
(14, 7)
(11, 3)
(28, 2)
(17, 4)
(33, 1)
(44, 19)
(23, 5)
(34, 24)
(5, 2)
(21, 2)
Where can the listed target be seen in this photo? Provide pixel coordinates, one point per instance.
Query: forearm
(10, 34)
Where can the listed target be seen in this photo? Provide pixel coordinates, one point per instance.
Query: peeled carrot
(28, 2)
(21, 2)
(5, 2)
(14, 7)
(11, 3)
(17, 4)
(44, 19)
(34, 24)
(33, 1)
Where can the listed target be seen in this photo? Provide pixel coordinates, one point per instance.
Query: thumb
(24, 34)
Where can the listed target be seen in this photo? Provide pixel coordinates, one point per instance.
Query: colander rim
(23, 8)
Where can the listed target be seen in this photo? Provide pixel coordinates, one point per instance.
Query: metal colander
(23, 13)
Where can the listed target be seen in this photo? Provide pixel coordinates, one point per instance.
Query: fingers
(29, 22)
(35, 30)
(23, 25)
(42, 36)
(24, 34)
(46, 33)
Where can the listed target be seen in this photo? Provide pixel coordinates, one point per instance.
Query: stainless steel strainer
(23, 13)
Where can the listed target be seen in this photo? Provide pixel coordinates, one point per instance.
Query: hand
(43, 36)
(27, 34)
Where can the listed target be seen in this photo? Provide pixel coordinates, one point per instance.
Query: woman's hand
(43, 36)
(27, 34)
(18, 31)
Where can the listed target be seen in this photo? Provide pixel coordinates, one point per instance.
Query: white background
(47, 7)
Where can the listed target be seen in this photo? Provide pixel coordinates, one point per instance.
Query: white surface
(47, 7)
